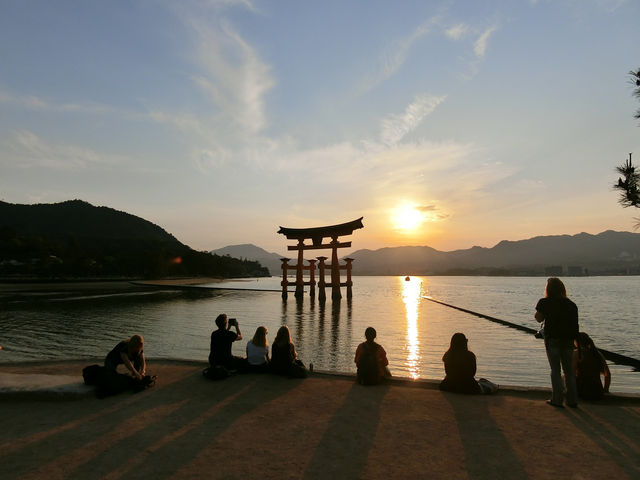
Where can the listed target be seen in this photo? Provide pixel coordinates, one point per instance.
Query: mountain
(605, 253)
(250, 252)
(77, 239)
(81, 219)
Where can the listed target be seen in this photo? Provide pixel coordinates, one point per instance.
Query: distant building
(575, 271)
(553, 271)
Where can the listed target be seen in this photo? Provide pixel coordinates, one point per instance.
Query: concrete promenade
(322, 427)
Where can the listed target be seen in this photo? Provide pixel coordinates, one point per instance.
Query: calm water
(415, 332)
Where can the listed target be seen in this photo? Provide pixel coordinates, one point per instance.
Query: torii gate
(317, 234)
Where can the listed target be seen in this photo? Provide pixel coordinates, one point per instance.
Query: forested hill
(80, 219)
(77, 239)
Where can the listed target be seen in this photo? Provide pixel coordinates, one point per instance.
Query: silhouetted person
(459, 367)
(284, 358)
(560, 317)
(371, 360)
(221, 341)
(589, 364)
(258, 351)
(130, 353)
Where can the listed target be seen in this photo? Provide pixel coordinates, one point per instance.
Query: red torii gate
(317, 235)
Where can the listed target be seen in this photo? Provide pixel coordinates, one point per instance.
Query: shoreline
(39, 290)
(322, 427)
(57, 366)
(160, 292)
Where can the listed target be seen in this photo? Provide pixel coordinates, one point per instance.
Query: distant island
(75, 239)
(607, 253)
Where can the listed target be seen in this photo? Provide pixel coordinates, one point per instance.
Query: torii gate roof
(318, 233)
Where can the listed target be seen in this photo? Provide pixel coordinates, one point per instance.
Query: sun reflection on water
(411, 288)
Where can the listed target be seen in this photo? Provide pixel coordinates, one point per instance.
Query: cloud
(208, 159)
(395, 55)
(480, 46)
(431, 213)
(397, 126)
(234, 78)
(27, 150)
(457, 32)
(426, 208)
(186, 123)
(32, 102)
(610, 6)
(221, 4)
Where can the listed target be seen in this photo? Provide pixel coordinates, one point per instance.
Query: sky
(443, 123)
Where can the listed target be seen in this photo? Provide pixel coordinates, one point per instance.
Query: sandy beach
(325, 426)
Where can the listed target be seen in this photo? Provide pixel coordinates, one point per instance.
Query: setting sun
(407, 218)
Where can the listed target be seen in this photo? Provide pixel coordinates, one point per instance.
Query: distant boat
(407, 278)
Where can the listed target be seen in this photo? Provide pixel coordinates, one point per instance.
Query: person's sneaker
(549, 402)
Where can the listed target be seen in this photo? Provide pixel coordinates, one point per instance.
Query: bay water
(414, 331)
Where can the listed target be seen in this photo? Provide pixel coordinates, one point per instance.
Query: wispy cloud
(432, 213)
(234, 77)
(396, 126)
(457, 32)
(610, 5)
(32, 102)
(212, 158)
(396, 54)
(480, 46)
(26, 150)
(218, 4)
(184, 122)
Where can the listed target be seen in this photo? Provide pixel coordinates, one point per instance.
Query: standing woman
(560, 317)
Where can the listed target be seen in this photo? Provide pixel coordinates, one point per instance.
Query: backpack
(368, 373)
(92, 374)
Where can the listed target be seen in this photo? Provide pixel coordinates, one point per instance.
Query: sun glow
(407, 218)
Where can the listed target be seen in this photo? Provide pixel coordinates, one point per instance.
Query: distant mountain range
(607, 253)
(77, 239)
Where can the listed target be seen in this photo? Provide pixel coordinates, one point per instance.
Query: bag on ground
(487, 386)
